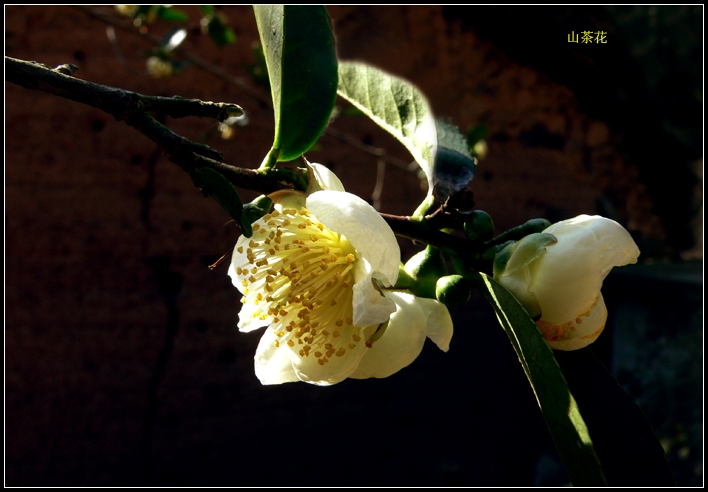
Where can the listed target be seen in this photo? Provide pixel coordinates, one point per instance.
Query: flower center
(299, 275)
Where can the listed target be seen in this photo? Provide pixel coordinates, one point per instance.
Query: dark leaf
(630, 453)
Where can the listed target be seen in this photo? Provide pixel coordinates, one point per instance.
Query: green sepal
(213, 183)
(254, 211)
(516, 233)
(425, 268)
(453, 290)
(493, 251)
(524, 252)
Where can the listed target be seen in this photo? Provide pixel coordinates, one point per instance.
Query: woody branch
(134, 108)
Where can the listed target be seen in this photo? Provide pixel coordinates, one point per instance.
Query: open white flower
(559, 282)
(313, 272)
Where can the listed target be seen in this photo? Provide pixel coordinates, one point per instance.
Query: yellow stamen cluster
(299, 275)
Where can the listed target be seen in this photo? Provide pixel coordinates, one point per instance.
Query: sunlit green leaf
(559, 408)
(300, 55)
(394, 104)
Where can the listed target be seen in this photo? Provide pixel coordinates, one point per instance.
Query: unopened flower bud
(453, 290)
(478, 225)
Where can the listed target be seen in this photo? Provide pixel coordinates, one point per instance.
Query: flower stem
(271, 159)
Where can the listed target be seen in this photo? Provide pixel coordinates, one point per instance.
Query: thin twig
(131, 108)
(58, 81)
(378, 188)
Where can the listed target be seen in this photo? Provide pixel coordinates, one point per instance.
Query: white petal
(586, 332)
(515, 275)
(247, 321)
(237, 259)
(518, 283)
(400, 344)
(272, 363)
(566, 280)
(615, 244)
(337, 369)
(438, 320)
(369, 306)
(368, 232)
(324, 179)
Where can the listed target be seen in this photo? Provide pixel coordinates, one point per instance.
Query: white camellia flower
(557, 276)
(314, 273)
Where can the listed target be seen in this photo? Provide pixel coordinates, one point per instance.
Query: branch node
(66, 69)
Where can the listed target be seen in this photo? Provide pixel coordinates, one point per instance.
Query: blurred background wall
(123, 362)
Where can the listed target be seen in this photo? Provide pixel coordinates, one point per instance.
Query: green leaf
(172, 14)
(300, 55)
(224, 193)
(219, 32)
(559, 408)
(449, 136)
(395, 105)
